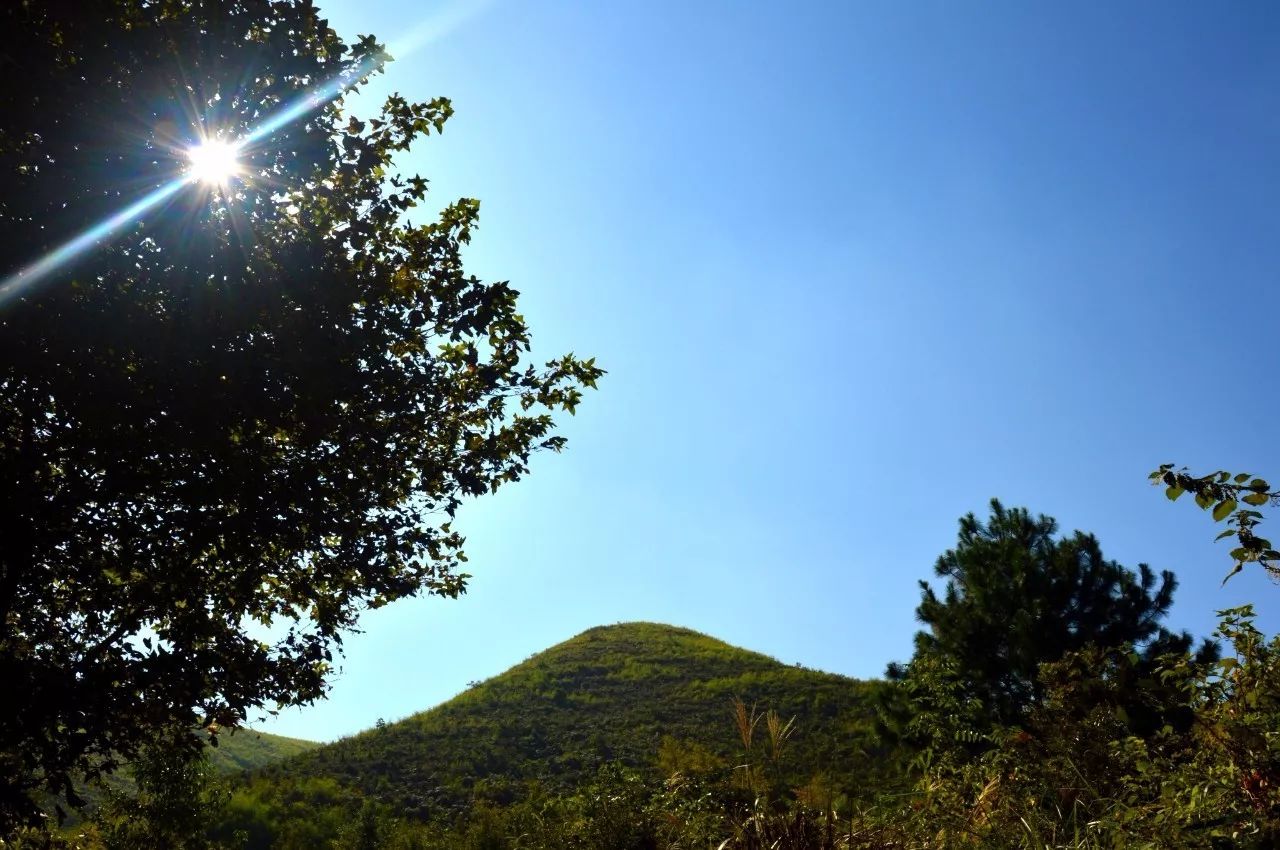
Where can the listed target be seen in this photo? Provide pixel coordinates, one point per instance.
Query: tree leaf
(1223, 509)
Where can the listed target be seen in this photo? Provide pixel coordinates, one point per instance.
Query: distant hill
(611, 694)
(245, 749)
(237, 751)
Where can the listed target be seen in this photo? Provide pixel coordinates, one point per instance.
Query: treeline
(1044, 707)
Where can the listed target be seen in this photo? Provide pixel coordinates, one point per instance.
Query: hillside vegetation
(246, 749)
(1045, 707)
(614, 694)
(237, 752)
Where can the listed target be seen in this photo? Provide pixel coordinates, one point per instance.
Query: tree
(246, 417)
(176, 803)
(1017, 597)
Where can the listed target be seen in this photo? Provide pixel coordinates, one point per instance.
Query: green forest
(241, 408)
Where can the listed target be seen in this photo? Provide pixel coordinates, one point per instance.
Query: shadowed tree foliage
(176, 800)
(257, 408)
(1016, 596)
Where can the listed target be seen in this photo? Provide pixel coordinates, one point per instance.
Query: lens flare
(214, 162)
(14, 284)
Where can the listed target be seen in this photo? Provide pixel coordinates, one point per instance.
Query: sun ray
(214, 163)
(65, 253)
(211, 162)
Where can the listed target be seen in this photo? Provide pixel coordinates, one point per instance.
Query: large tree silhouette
(257, 406)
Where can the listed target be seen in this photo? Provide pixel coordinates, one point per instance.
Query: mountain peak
(609, 694)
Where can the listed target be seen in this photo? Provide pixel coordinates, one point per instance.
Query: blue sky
(854, 268)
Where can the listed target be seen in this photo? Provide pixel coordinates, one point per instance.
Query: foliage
(1117, 753)
(1082, 773)
(308, 813)
(1231, 784)
(1017, 597)
(238, 751)
(645, 697)
(1121, 748)
(247, 749)
(39, 838)
(774, 818)
(689, 758)
(174, 805)
(1222, 493)
(258, 409)
(168, 797)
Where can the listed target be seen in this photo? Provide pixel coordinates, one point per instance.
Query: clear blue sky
(854, 268)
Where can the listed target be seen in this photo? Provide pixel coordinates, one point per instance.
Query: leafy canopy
(1016, 596)
(231, 427)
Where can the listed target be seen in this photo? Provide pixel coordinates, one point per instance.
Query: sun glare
(213, 162)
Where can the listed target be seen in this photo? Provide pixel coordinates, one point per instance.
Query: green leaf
(1256, 498)
(1173, 492)
(1237, 568)
(1242, 477)
(1223, 509)
(1227, 533)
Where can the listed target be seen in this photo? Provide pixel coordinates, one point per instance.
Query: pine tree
(1016, 596)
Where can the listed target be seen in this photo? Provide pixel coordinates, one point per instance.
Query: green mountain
(613, 694)
(245, 749)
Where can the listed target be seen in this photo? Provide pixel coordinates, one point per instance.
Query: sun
(214, 162)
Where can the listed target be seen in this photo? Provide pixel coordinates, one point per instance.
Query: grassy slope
(609, 694)
(245, 749)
